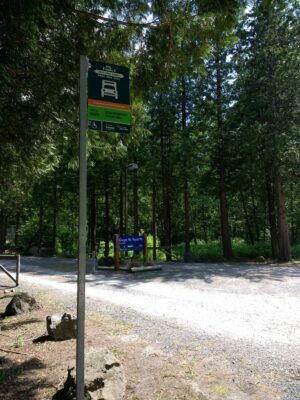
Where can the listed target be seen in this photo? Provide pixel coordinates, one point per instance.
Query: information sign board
(108, 97)
(129, 243)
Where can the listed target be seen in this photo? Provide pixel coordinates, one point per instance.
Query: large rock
(62, 327)
(21, 303)
(104, 378)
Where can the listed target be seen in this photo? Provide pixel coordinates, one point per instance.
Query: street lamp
(129, 167)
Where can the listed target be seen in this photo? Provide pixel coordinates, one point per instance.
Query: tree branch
(96, 17)
(12, 351)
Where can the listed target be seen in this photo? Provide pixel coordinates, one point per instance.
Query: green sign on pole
(108, 97)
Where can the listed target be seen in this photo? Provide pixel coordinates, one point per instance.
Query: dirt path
(219, 331)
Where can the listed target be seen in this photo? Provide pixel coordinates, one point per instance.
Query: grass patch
(221, 390)
(188, 369)
(168, 373)
(19, 342)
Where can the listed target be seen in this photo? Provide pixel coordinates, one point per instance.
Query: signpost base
(127, 243)
(146, 268)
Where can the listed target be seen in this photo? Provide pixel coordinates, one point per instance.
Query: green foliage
(296, 252)
(214, 90)
(66, 242)
(248, 251)
(28, 233)
(212, 251)
(101, 246)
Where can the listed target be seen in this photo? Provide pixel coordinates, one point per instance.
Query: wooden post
(117, 253)
(145, 249)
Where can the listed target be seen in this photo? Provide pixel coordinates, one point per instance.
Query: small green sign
(108, 97)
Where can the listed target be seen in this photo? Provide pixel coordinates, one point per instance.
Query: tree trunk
(106, 222)
(225, 227)
(135, 202)
(167, 218)
(297, 228)
(165, 173)
(247, 222)
(265, 220)
(283, 230)
(121, 204)
(292, 211)
(272, 219)
(254, 208)
(166, 213)
(186, 195)
(17, 230)
(41, 220)
(54, 215)
(3, 228)
(204, 225)
(93, 220)
(154, 226)
(192, 219)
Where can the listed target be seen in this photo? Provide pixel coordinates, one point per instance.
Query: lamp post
(129, 167)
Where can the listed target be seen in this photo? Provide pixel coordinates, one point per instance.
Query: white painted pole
(82, 232)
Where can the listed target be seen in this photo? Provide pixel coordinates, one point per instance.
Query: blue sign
(130, 243)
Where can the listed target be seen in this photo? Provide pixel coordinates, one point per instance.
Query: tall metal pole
(126, 202)
(82, 231)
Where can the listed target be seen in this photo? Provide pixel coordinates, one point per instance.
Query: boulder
(62, 327)
(104, 378)
(9, 291)
(21, 303)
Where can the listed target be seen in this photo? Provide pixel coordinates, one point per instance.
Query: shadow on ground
(18, 379)
(7, 287)
(42, 339)
(197, 272)
(6, 326)
(170, 272)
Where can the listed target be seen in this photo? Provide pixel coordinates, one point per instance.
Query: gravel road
(246, 313)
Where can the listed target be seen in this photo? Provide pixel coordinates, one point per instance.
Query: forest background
(215, 101)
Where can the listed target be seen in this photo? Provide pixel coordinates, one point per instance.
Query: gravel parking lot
(247, 315)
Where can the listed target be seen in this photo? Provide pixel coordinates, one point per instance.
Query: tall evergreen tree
(268, 104)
